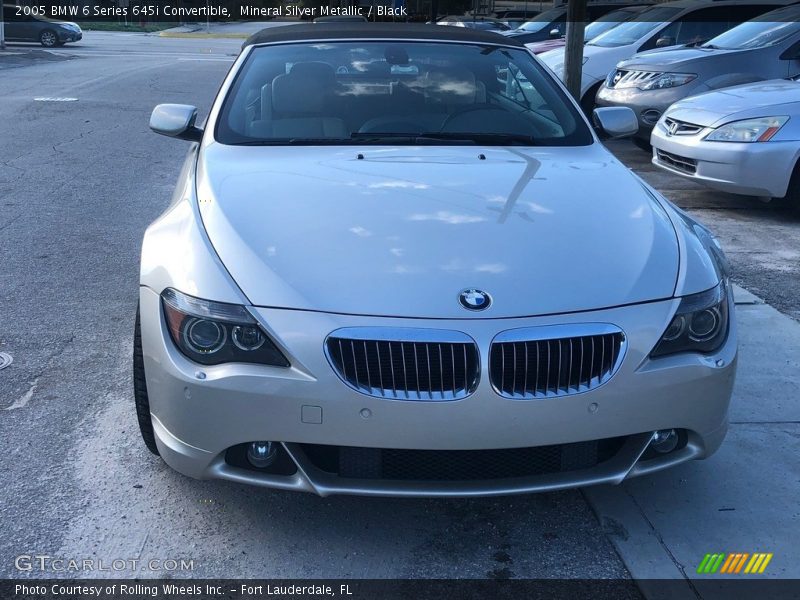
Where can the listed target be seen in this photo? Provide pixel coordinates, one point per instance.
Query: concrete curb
(741, 499)
(198, 35)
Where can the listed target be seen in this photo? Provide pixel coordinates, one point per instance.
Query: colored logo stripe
(734, 562)
(710, 563)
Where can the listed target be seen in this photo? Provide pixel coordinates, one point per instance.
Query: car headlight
(668, 80)
(212, 333)
(700, 324)
(749, 130)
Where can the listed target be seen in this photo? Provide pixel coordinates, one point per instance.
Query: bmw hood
(715, 108)
(401, 231)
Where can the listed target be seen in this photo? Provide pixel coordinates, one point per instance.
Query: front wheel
(642, 144)
(588, 100)
(140, 390)
(48, 38)
(792, 198)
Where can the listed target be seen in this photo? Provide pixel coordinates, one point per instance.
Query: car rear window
(541, 20)
(331, 92)
(635, 29)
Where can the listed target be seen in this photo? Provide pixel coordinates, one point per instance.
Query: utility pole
(2, 29)
(573, 53)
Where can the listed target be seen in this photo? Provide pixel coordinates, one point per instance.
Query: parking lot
(81, 178)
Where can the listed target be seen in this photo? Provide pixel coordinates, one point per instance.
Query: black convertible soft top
(399, 31)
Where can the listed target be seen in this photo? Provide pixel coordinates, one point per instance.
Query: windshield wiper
(296, 141)
(491, 139)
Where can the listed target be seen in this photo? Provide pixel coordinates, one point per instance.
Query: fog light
(262, 454)
(664, 441)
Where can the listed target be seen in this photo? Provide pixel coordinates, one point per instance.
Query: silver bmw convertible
(399, 262)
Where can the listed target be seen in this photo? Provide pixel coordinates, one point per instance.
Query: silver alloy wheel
(48, 39)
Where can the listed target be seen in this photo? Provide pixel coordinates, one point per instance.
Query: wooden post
(573, 53)
(2, 29)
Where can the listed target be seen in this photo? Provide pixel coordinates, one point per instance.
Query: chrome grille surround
(626, 79)
(405, 363)
(675, 127)
(555, 360)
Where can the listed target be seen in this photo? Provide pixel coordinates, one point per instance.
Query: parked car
(341, 19)
(28, 28)
(516, 14)
(552, 24)
(664, 25)
(476, 22)
(512, 22)
(422, 279)
(593, 29)
(764, 48)
(743, 139)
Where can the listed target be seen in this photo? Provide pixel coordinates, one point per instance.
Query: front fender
(698, 270)
(177, 253)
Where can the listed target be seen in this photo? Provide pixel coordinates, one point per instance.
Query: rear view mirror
(555, 33)
(616, 121)
(176, 120)
(664, 42)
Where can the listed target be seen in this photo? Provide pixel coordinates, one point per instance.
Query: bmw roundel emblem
(473, 299)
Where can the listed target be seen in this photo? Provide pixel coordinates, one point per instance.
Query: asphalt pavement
(81, 176)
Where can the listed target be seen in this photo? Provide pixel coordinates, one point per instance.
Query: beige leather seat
(295, 105)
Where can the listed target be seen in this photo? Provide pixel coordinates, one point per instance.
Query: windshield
(754, 34)
(396, 92)
(542, 20)
(606, 22)
(634, 30)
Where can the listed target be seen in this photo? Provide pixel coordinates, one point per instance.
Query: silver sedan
(742, 140)
(399, 261)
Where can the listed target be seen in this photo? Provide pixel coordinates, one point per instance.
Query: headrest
(451, 86)
(314, 70)
(303, 89)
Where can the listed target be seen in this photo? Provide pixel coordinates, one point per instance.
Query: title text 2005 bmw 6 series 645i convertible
(399, 262)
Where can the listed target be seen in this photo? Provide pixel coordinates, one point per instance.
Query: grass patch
(130, 27)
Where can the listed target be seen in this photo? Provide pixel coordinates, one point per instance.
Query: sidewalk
(742, 499)
(226, 30)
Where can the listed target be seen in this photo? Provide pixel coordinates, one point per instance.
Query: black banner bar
(391, 589)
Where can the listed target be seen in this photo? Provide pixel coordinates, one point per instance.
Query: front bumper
(200, 412)
(751, 169)
(69, 36)
(648, 105)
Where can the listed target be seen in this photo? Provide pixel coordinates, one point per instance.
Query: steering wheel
(468, 109)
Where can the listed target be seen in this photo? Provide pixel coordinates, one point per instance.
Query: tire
(588, 100)
(642, 144)
(48, 38)
(140, 390)
(791, 200)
